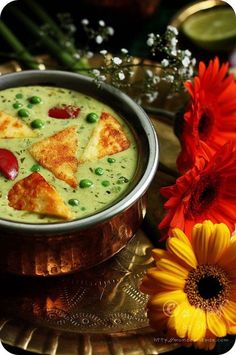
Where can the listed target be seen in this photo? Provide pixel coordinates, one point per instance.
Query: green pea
(85, 183)
(73, 202)
(99, 171)
(37, 123)
(35, 100)
(105, 183)
(19, 96)
(30, 105)
(92, 117)
(111, 160)
(122, 180)
(35, 168)
(17, 105)
(23, 112)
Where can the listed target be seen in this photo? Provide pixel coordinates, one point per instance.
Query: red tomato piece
(64, 112)
(8, 164)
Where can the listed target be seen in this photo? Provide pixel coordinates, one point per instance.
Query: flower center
(207, 287)
(203, 195)
(204, 126)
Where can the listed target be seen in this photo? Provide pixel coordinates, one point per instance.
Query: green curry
(100, 182)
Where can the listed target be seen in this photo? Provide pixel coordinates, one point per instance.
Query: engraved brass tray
(99, 311)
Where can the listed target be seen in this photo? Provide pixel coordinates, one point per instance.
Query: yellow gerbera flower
(192, 288)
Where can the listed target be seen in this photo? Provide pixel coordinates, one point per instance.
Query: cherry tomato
(64, 112)
(8, 164)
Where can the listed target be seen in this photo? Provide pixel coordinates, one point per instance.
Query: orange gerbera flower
(207, 191)
(211, 117)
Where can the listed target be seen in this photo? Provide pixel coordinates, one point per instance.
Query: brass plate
(99, 311)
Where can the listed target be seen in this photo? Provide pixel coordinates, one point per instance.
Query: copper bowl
(64, 247)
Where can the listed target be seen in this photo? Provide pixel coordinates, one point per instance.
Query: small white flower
(85, 22)
(102, 77)
(110, 31)
(121, 75)
(150, 42)
(124, 50)
(117, 60)
(173, 52)
(170, 78)
(194, 61)
(182, 71)
(101, 23)
(173, 42)
(89, 54)
(156, 79)
(99, 39)
(190, 71)
(186, 62)
(165, 63)
(103, 52)
(149, 73)
(76, 56)
(173, 30)
(131, 73)
(187, 53)
(96, 72)
(151, 35)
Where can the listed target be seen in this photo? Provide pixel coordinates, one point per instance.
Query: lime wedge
(211, 29)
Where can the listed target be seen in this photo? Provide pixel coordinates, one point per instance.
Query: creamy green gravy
(92, 199)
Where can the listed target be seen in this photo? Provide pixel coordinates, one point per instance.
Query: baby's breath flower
(165, 63)
(101, 23)
(149, 73)
(124, 50)
(174, 41)
(186, 61)
(170, 78)
(99, 39)
(103, 52)
(110, 31)
(173, 30)
(117, 60)
(96, 72)
(89, 54)
(121, 75)
(150, 42)
(76, 55)
(187, 53)
(85, 22)
(193, 62)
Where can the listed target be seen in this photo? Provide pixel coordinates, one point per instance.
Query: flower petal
(197, 325)
(162, 299)
(216, 324)
(200, 239)
(228, 258)
(182, 316)
(167, 265)
(229, 312)
(166, 280)
(218, 242)
(182, 250)
(179, 234)
(157, 254)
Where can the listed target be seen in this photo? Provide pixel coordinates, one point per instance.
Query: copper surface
(98, 311)
(58, 254)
